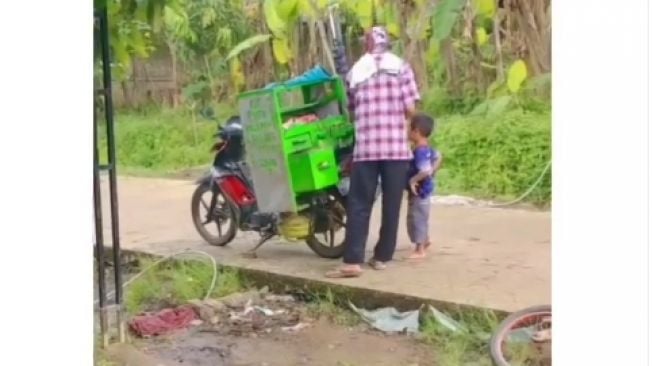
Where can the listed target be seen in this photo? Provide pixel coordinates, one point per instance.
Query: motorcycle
(232, 202)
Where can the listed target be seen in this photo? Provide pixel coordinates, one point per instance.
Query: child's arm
(425, 173)
(425, 170)
(420, 176)
(414, 181)
(438, 163)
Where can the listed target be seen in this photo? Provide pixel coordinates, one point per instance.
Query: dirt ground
(321, 344)
(254, 329)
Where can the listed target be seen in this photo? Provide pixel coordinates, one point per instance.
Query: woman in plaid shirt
(382, 95)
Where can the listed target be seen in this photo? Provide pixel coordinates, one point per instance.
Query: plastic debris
(280, 298)
(239, 299)
(295, 328)
(269, 312)
(446, 321)
(389, 319)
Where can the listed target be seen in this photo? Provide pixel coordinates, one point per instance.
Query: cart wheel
(537, 349)
(331, 242)
(219, 227)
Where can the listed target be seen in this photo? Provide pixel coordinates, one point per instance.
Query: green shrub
(487, 157)
(495, 157)
(441, 102)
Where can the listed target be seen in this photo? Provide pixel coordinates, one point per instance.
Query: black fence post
(103, 37)
(99, 238)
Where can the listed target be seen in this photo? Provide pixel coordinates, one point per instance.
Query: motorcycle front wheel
(218, 227)
(329, 242)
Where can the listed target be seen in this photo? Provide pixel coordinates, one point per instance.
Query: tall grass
(495, 157)
(486, 157)
(161, 140)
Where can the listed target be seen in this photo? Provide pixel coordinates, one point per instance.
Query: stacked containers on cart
(311, 123)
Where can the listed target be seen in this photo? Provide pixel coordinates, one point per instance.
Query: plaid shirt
(379, 107)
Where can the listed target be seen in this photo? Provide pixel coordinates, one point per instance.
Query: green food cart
(296, 136)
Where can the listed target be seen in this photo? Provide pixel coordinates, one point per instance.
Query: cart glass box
(293, 135)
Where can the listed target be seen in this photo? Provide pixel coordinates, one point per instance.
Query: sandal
(343, 273)
(377, 265)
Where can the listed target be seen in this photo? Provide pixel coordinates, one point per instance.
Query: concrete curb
(362, 297)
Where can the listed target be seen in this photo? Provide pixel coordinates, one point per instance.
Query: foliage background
(483, 67)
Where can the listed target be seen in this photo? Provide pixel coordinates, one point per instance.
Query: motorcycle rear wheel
(338, 216)
(227, 210)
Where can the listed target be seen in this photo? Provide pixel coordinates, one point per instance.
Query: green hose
(528, 191)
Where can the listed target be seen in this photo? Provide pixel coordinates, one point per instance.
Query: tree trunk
(174, 74)
(126, 94)
(535, 26)
(209, 73)
(496, 34)
(453, 79)
(478, 59)
(416, 45)
(469, 33)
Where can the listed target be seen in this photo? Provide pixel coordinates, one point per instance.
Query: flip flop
(339, 273)
(379, 266)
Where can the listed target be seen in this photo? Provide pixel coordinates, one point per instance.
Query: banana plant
(280, 17)
(131, 25)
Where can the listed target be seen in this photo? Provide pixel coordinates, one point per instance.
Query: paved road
(497, 258)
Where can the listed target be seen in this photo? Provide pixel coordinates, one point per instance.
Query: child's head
(421, 127)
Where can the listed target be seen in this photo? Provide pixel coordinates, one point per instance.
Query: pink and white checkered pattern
(379, 105)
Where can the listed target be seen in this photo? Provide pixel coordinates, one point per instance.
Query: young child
(426, 162)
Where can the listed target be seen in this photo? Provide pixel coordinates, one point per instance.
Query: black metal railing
(101, 36)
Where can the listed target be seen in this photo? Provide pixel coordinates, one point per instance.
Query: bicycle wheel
(533, 326)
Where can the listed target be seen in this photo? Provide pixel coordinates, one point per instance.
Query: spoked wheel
(217, 227)
(328, 238)
(523, 338)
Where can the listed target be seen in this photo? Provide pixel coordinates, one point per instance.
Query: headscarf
(377, 58)
(377, 40)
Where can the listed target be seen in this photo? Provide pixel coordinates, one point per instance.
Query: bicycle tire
(504, 328)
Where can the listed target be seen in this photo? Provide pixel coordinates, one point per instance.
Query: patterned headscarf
(377, 40)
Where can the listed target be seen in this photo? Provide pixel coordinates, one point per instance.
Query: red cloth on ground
(162, 322)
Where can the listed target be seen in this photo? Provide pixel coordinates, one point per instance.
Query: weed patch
(469, 346)
(326, 305)
(173, 283)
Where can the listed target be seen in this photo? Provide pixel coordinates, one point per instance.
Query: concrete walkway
(495, 258)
